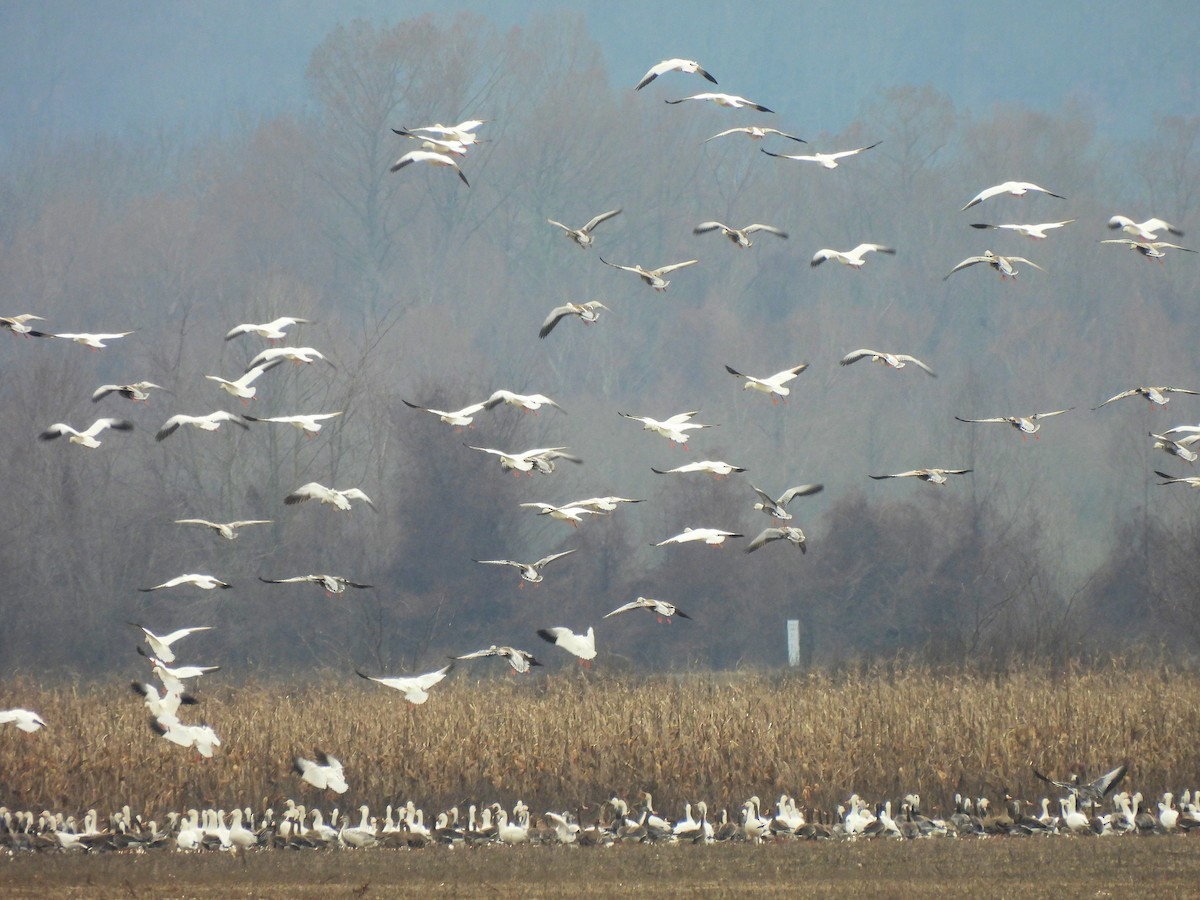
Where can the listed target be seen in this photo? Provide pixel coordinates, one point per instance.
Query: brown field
(573, 738)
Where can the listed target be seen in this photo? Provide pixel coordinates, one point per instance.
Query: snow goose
(136, 391)
(309, 424)
(653, 277)
(1146, 231)
(756, 133)
(771, 384)
(715, 467)
(1037, 232)
(528, 402)
(787, 533)
(1151, 249)
(588, 314)
(931, 476)
(161, 644)
(204, 582)
(463, 132)
(432, 158)
(226, 530)
(210, 422)
(25, 719)
(826, 160)
(891, 360)
(1181, 448)
(162, 706)
(539, 459)
(272, 331)
(530, 572)
(333, 584)
(662, 609)
(856, 258)
(93, 341)
(775, 507)
(201, 737)
(86, 438)
(729, 101)
(581, 645)
(173, 679)
(572, 514)
(520, 660)
(1025, 424)
(687, 66)
(602, 504)
(325, 773)
(714, 536)
(18, 325)
(459, 418)
(674, 428)
(1090, 793)
(1190, 481)
(1002, 264)
(449, 146)
(331, 496)
(1156, 395)
(298, 355)
(583, 235)
(243, 388)
(1016, 188)
(738, 235)
(414, 687)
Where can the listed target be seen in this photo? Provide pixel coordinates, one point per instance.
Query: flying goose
(729, 101)
(738, 235)
(1025, 424)
(771, 384)
(297, 355)
(528, 402)
(602, 504)
(1190, 480)
(788, 533)
(173, 679)
(464, 132)
(1091, 793)
(827, 160)
(163, 706)
(1002, 264)
(309, 424)
(1151, 249)
(86, 438)
(272, 331)
(332, 496)
(1037, 232)
(891, 360)
(459, 418)
(756, 133)
(414, 687)
(714, 536)
(653, 277)
(520, 660)
(588, 313)
(450, 146)
(17, 325)
(135, 391)
(204, 582)
(325, 773)
(932, 476)
(687, 66)
(1181, 448)
(333, 584)
(1156, 395)
(572, 514)
(1016, 188)
(715, 467)
(201, 737)
(581, 645)
(674, 429)
(540, 459)
(161, 644)
(431, 157)
(25, 719)
(530, 572)
(775, 507)
(227, 530)
(1146, 231)
(855, 258)
(211, 422)
(661, 609)
(583, 235)
(94, 341)
(243, 388)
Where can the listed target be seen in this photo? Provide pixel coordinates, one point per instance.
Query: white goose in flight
(891, 360)
(173, 679)
(572, 514)
(164, 706)
(729, 101)
(86, 438)
(715, 467)
(713, 536)
(674, 429)
(459, 418)
(1156, 395)
(201, 737)
(539, 459)
(211, 422)
(414, 687)
(774, 385)
(856, 257)
(826, 160)
(272, 331)
(588, 313)
(687, 66)
(19, 325)
(1190, 480)
(653, 277)
(204, 582)
(1037, 232)
(136, 391)
(756, 133)
(25, 719)
(161, 644)
(1025, 424)
(93, 341)
(528, 402)
(1181, 448)
(226, 530)
(298, 355)
(1145, 231)
(776, 507)
(331, 496)
(662, 609)
(333, 584)
(1151, 249)
(243, 388)
(602, 504)
(930, 476)
(530, 572)
(308, 424)
(583, 235)
(429, 157)
(1016, 188)
(325, 773)
(787, 533)
(520, 660)
(1002, 264)
(581, 645)
(739, 235)
(448, 145)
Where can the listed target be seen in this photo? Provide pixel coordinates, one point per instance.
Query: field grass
(567, 739)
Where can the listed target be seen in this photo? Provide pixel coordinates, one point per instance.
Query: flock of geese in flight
(445, 146)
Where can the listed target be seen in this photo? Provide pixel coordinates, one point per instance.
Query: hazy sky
(128, 67)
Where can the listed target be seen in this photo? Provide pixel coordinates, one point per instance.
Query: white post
(793, 642)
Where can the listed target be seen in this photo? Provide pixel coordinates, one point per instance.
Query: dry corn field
(580, 738)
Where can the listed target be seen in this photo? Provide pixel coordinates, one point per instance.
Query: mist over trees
(423, 289)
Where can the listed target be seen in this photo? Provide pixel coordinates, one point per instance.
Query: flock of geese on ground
(443, 146)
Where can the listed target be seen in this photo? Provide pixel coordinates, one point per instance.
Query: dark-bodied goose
(739, 235)
(530, 572)
(333, 584)
(787, 533)
(931, 476)
(775, 507)
(1027, 425)
(891, 360)
(1002, 264)
(662, 609)
(588, 313)
(520, 660)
